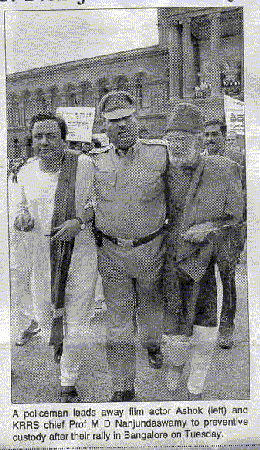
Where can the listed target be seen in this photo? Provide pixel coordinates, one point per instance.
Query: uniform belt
(132, 242)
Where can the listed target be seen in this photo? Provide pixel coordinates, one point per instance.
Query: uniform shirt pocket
(105, 184)
(147, 184)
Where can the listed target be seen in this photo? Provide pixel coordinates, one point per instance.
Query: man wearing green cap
(205, 201)
(129, 220)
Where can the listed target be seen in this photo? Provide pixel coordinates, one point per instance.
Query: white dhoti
(199, 348)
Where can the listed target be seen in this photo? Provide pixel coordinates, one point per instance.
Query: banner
(235, 115)
(79, 120)
(31, 413)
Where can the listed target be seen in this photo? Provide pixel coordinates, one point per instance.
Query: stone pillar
(96, 94)
(78, 98)
(54, 101)
(63, 96)
(188, 60)
(215, 35)
(27, 108)
(48, 100)
(174, 63)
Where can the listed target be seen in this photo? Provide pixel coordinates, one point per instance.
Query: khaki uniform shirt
(130, 199)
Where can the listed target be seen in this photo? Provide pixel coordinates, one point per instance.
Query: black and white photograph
(127, 205)
(130, 231)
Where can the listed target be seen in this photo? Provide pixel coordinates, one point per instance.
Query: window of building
(143, 97)
(103, 87)
(87, 96)
(121, 83)
(40, 101)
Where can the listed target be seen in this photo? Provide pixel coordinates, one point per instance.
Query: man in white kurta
(32, 202)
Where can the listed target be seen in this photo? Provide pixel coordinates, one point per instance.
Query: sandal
(155, 356)
(68, 394)
(123, 396)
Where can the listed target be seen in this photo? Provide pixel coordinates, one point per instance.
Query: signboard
(235, 115)
(79, 120)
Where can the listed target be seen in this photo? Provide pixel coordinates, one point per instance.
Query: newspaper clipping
(130, 225)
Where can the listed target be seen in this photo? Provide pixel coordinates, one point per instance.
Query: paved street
(36, 377)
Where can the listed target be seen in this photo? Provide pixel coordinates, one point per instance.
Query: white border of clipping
(248, 437)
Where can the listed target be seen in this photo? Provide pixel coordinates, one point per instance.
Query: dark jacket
(210, 191)
(214, 193)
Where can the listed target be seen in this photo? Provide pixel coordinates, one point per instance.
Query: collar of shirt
(124, 154)
(131, 151)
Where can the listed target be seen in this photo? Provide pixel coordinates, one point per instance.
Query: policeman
(129, 221)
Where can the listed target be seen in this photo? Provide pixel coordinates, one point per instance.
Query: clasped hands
(67, 231)
(71, 228)
(198, 233)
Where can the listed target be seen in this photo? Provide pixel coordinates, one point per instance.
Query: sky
(40, 38)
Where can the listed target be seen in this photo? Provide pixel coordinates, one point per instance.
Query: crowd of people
(142, 222)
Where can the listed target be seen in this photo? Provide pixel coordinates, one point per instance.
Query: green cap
(186, 117)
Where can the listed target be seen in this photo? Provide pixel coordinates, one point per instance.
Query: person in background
(27, 149)
(129, 225)
(14, 165)
(234, 152)
(214, 137)
(52, 209)
(217, 142)
(232, 148)
(205, 201)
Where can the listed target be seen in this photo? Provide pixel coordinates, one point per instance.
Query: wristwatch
(82, 224)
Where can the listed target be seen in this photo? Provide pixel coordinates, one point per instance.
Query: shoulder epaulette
(71, 151)
(98, 151)
(153, 141)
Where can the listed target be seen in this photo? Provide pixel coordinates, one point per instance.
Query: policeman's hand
(67, 231)
(24, 221)
(198, 233)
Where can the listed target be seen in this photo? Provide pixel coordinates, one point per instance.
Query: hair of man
(49, 116)
(222, 125)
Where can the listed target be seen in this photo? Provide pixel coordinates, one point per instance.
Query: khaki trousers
(132, 287)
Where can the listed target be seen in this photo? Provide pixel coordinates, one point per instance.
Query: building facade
(199, 57)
